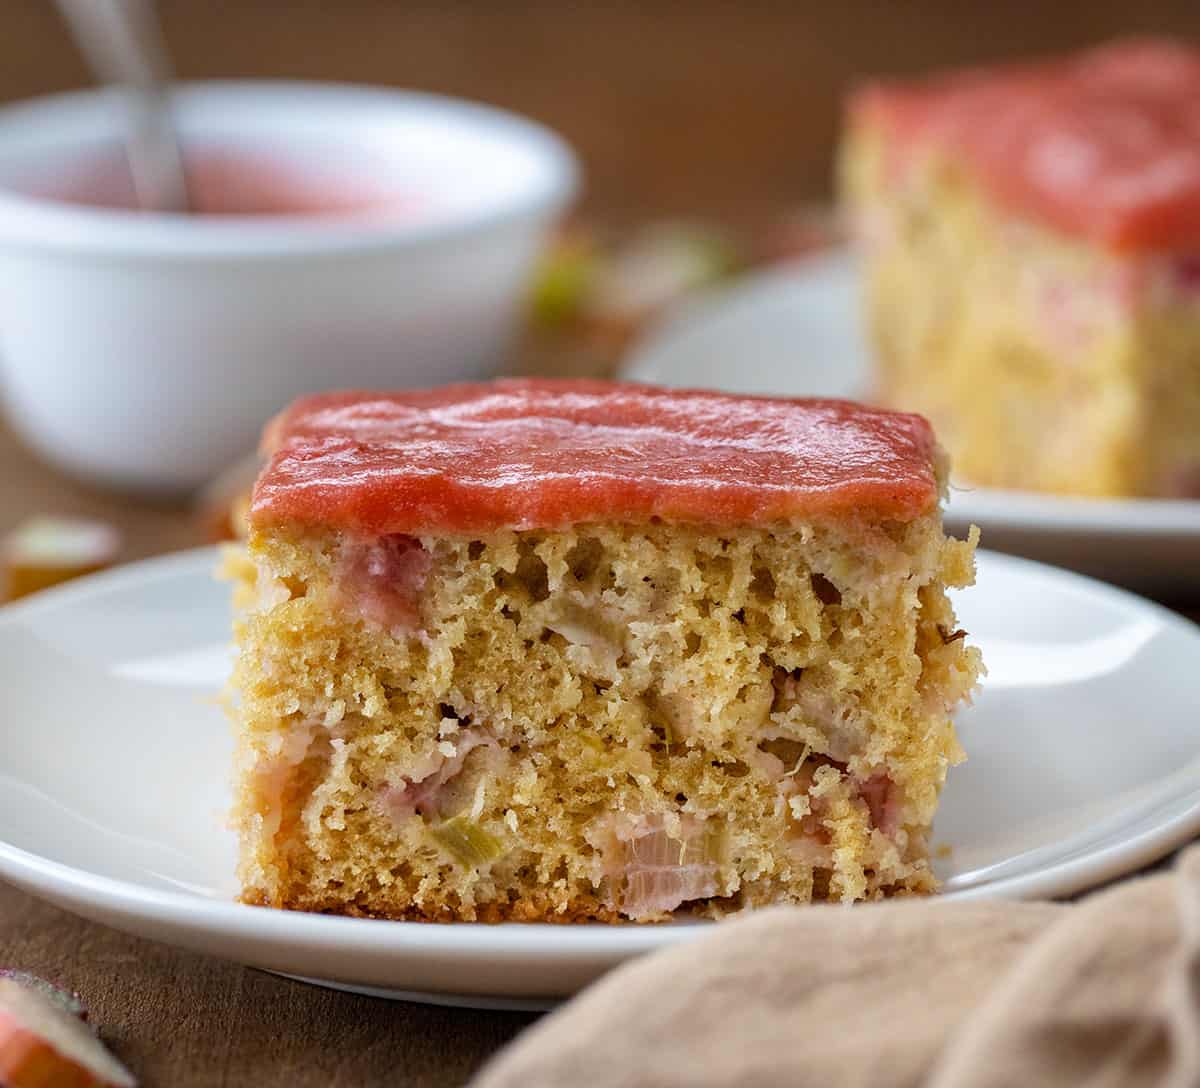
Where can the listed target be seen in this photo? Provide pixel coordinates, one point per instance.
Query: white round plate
(797, 331)
(1084, 764)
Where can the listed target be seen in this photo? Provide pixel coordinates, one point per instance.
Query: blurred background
(697, 108)
(721, 114)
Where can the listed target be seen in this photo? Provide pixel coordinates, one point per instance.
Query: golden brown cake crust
(527, 909)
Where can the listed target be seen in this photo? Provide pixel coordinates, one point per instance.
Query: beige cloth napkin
(1104, 992)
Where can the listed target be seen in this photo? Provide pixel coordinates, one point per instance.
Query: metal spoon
(122, 42)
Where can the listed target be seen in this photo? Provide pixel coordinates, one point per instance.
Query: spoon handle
(122, 42)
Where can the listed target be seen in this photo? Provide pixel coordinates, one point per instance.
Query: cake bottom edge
(579, 909)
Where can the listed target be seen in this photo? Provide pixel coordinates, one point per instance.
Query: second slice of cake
(1032, 265)
(577, 650)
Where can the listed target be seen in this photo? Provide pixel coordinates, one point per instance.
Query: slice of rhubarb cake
(1031, 239)
(580, 650)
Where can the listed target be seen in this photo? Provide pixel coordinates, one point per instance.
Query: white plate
(1084, 764)
(797, 331)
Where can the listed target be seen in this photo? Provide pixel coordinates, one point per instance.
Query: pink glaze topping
(542, 454)
(1104, 144)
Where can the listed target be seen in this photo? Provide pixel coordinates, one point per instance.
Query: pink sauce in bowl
(227, 182)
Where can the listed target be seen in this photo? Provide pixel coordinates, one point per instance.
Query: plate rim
(553, 943)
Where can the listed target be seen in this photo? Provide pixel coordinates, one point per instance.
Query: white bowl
(146, 351)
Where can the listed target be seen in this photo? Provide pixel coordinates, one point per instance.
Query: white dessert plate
(797, 331)
(1084, 765)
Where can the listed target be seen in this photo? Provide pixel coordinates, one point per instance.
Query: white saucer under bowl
(1084, 765)
(797, 331)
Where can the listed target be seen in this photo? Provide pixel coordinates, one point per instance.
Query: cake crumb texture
(605, 722)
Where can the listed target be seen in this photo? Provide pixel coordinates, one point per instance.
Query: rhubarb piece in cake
(1032, 251)
(582, 650)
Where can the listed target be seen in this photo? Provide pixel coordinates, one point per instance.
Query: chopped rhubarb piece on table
(45, 551)
(67, 1000)
(44, 1045)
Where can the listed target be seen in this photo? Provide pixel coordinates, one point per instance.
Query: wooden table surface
(706, 108)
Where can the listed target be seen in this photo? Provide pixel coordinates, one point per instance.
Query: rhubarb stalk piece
(44, 1044)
